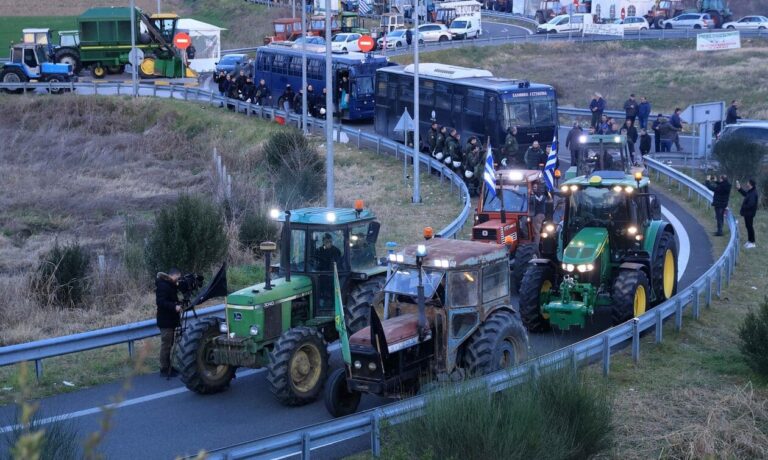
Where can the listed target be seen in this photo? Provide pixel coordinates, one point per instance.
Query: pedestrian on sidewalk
(749, 209)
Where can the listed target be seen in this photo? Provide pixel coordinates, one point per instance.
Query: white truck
(464, 27)
(565, 23)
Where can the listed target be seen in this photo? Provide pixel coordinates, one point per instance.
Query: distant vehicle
(756, 131)
(633, 23)
(748, 23)
(466, 27)
(29, 62)
(284, 29)
(434, 33)
(345, 42)
(690, 21)
(231, 63)
(565, 23)
(309, 40)
(394, 39)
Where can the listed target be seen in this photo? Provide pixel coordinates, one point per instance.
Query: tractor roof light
(516, 176)
(638, 176)
(274, 213)
(421, 250)
(396, 258)
(359, 206)
(583, 139)
(330, 217)
(429, 233)
(441, 263)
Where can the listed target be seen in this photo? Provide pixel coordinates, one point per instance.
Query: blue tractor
(29, 62)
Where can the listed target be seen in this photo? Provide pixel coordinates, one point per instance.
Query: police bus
(472, 101)
(280, 64)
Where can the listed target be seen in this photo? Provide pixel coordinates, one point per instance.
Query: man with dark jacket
(630, 108)
(472, 161)
(643, 112)
(432, 135)
(656, 134)
(645, 142)
(732, 116)
(311, 100)
(631, 133)
(262, 95)
(509, 151)
(668, 134)
(572, 143)
(677, 123)
(442, 135)
(535, 157)
(248, 89)
(240, 81)
(721, 189)
(537, 208)
(285, 102)
(748, 210)
(168, 310)
(596, 106)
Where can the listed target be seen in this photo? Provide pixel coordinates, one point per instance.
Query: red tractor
(284, 29)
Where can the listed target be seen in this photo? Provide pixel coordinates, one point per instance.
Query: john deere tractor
(286, 322)
(608, 152)
(613, 250)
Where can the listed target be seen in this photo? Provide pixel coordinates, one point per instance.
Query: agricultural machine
(29, 62)
(103, 41)
(285, 323)
(504, 218)
(285, 29)
(668, 9)
(614, 251)
(448, 316)
(609, 152)
(547, 10)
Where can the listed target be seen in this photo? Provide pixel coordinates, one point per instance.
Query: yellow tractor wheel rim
(669, 273)
(640, 301)
(148, 66)
(99, 71)
(306, 367)
(546, 286)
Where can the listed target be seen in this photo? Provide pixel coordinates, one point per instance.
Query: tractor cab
(602, 153)
(351, 23)
(32, 60)
(165, 23)
(284, 29)
(317, 25)
(391, 21)
(69, 38)
(38, 37)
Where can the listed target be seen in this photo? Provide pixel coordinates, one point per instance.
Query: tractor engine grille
(484, 234)
(273, 321)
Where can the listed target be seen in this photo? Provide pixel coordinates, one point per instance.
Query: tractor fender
(503, 307)
(541, 261)
(633, 266)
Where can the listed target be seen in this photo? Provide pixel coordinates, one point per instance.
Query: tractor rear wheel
(359, 302)
(147, 67)
(11, 75)
(298, 365)
(338, 398)
(538, 279)
(523, 255)
(98, 71)
(68, 56)
(630, 295)
(193, 357)
(664, 280)
(500, 342)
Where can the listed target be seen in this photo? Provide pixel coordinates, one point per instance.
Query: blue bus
(472, 101)
(280, 64)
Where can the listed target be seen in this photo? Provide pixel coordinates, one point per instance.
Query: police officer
(432, 135)
(472, 159)
(440, 144)
(509, 152)
(451, 148)
(535, 156)
(457, 157)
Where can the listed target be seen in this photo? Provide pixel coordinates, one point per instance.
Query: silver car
(434, 33)
(395, 39)
(690, 21)
(748, 23)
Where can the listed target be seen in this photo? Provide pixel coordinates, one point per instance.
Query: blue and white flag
(489, 174)
(549, 167)
(364, 7)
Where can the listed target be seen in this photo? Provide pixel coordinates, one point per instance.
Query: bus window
(543, 108)
(442, 96)
(315, 69)
(363, 86)
(426, 93)
(295, 68)
(517, 112)
(474, 104)
(406, 94)
(265, 62)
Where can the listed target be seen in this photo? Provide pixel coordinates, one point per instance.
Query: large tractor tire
(193, 359)
(338, 398)
(147, 67)
(523, 255)
(98, 71)
(359, 302)
(630, 295)
(537, 280)
(499, 343)
(68, 56)
(116, 69)
(658, 23)
(56, 79)
(664, 265)
(298, 366)
(13, 75)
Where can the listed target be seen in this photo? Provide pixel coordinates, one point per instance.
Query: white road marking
(134, 401)
(684, 246)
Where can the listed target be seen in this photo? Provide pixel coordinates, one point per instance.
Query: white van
(466, 27)
(565, 23)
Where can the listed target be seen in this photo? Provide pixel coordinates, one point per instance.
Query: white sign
(135, 56)
(718, 41)
(616, 30)
(709, 112)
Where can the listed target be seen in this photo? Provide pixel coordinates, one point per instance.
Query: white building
(616, 9)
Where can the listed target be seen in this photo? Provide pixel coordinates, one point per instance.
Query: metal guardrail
(302, 442)
(129, 333)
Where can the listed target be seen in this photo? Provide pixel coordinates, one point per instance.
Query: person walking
(168, 316)
(749, 209)
(408, 37)
(677, 123)
(597, 106)
(732, 116)
(656, 133)
(572, 143)
(643, 112)
(645, 142)
(721, 189)
(630, 108)
(667, 132)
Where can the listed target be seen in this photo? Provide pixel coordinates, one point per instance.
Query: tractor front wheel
(630, 295)
(538, 280)
(98, 71)
(12, 75)
(193, 358)
(54, 80)
(664, 280)
(500, 342)
(298, 365)
(359, 303)
(523, 255)
(338, 398)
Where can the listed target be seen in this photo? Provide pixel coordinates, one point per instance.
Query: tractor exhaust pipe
(421, 252)
(267, 248)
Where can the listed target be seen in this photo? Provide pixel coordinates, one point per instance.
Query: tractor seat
(396, 330)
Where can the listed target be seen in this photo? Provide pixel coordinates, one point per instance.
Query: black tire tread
(530, 287)
(278, 371)
(359, 301)
(62, 53)
(186, 358)
(623, 294)
(666, 241)
(478, 352)
(523, 255)
(329, 394)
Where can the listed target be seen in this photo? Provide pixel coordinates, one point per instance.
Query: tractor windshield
(362, 246)
(601, 157)
(327, 247)
(597, 206)
(515, 199)
(405, 281)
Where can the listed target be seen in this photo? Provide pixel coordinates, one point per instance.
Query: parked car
(633, 23)
(394, 39)
(466, 27)
(434, 33)
(756, 131)
(748, 23)
(690, 21)
(565, 23)
(231, 63)
(345, 42)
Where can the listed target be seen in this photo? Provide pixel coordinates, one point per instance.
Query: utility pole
(135, 63)
(304, 67)
(158, 6)
(416, 186)
(329, 89)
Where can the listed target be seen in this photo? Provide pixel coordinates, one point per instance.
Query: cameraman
(721, 189)
(168, 310)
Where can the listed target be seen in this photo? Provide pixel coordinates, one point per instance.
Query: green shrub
(189, 235)
(255, 228)
(134, 250)
(739, 157)
(753, 335)
(62, 277)
(561, 416)
(56, 440)
(296, 168)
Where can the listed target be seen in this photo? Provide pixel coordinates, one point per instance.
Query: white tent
(206, 38)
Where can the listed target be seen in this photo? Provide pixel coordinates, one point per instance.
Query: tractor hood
(281, 290)
(49, 68)
(586, 246)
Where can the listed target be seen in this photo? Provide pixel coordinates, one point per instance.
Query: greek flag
(549, 168)
(489, 174)
(363, 7)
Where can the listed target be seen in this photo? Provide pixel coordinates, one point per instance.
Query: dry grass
(669, 73)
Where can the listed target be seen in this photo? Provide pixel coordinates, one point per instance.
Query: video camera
(187, 284)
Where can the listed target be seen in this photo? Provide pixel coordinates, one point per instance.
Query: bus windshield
(524, 111)
(515, 199)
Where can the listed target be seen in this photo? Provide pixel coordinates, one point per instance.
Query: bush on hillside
(739, 157)
(255, 228)
(188, 235)
(62, 278)
(296, 168)
(753, 335)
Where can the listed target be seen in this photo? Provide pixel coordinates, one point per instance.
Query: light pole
(304, 67)
(158, 6)
(416, 187)
(135, 53)
(328, 109)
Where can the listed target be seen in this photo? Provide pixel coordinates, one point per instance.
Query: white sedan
(633, 23)
(345, 42)
(748, 23)
(395, 39)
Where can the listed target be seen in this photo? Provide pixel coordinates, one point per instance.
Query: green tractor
(602, 152)
(612, 250)
(286, 322)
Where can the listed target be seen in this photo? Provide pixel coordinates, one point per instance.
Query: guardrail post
(659, 326)
(375, 435)
(574, 362)
(678, 315)
(535, 372)
(635, 340)
(378, 145)
(695, 303)
(95, 88)
(130, 348)
(727, 269)
(606, 355)
(719, 281)
(38, 369)
(154, 90)
(709, 293)
(305, 446)
(358, 139)
(118, 88)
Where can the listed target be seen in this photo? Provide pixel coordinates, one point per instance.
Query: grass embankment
(670, 73)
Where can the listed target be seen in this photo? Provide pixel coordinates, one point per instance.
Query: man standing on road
(667, 132)
(630, 108)
(168, 310)
(677, 123)
(538, 209)
(748, 210)
(643, 112)
(597, 106)
(732, 116)
(572, 143)
(721, 189)
(656, 133)
(535, 156)
(631, 133)
(408, 37)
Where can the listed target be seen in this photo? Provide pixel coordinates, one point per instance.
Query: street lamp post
(328, 109)
(135, 63)
(416, 186)
(304, 67)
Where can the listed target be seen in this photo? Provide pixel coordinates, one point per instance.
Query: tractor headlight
(254, 330)
(568, 267)
(358, 365)
(549, 228)
(629, 189)
(223, 328)
(371, 366)
(583, 268)
(544, 235)
(632, 230)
